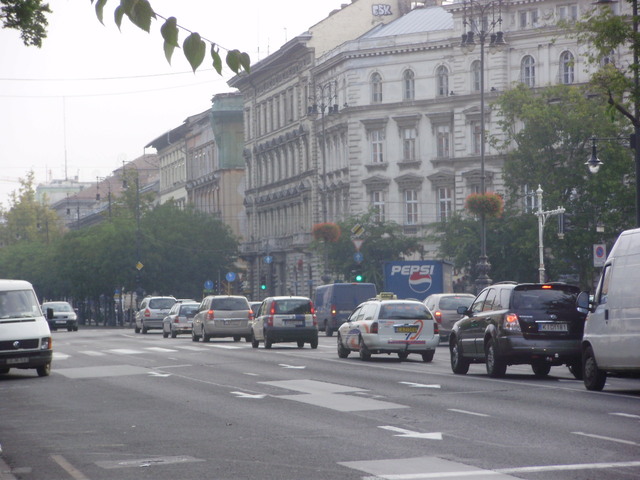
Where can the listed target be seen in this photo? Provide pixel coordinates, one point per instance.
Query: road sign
(230, 276)
(208, 285)
(139, 266)
(358, 257)
(357, 230)
(268, 259)
(357, 242)
(599, 254)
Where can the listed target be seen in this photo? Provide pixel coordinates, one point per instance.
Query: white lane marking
(147, 462)
(125, 351)
(60, 356)
(228, 347)
(627, 415)
(159, 374)
(419, 385)
(602, 437)
(193, 349)
(576, 466)
(251, 374)
(67, 467)
(284, 365)
(160, 349)
(92, 353)
(411, 434)
(249, 395)
(466, 412)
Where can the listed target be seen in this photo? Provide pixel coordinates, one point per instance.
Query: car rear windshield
(229, 304)
(292, 306)
(404, 311)
(452, 303)
(161, 303)
(544, 299)
(189, 310)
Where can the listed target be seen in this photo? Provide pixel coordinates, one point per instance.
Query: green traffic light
(358, 278)
(263, 287)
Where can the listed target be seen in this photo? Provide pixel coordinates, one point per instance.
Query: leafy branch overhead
(194, 46)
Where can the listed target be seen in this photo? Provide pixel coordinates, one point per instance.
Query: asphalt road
(124, 406)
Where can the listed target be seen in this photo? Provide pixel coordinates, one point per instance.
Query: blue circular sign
(230, 276)
(268, 259)
(208, 285)
(358, 257)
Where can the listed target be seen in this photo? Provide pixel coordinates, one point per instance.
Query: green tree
(29, 17)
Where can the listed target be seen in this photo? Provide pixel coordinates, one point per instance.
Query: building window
(376, 88)
(410, 207)
(566, 68)
(476, 137)
(445, 203)
(442, 81)
(377, 204)
(528, 71)
(409, 91)
(377, 145)
(475, 76)
(442, 141)
(409, 143)
(528, 18)
(568, 13)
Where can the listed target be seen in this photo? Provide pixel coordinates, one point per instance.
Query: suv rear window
(292, 307)
(543, 299)
(452, 303)
(404, 311)
(161, 303)
(229, 304)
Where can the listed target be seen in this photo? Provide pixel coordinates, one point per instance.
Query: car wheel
(459, 364)
(314, 343)
(300, 343)
(254, 343)
(165, 334)
(136, 330)
(247, 338)
(576, 370)
(205, 337)
(236, 338)
(75, 329)
(4, 371)
(174, 334)
(328, 331)
(428, 356)
(364, 352)
(403, 355)
(194, 337)
(342, 351)
(143, 329)
(69, 329)
(594, 378)
(44, 370)
(496, 367)
(541, 369)
(267, 341)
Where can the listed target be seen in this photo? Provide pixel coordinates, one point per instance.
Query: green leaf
(245, 61)
(217, 61)
(194, 49)
(141, 15)
(118, 14)
(233, 60)
(169, 33)
(100, 9)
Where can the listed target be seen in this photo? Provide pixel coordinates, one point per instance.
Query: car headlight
(45, 343)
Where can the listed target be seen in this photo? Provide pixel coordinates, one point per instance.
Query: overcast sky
(93, 96)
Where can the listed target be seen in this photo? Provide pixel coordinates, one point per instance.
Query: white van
(25, 338)
(611, 342)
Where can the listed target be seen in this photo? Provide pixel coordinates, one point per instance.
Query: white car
(389, 326)
(180, 318)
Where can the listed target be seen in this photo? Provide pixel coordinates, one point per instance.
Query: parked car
(151, 313)
(254, 307)
(285, 319)
(180, 318)
(611, 341)
(222, 316)
(62, 316)
(444, 308)
(386, 325)
(334, 302)
(25, 337)
(528, 323)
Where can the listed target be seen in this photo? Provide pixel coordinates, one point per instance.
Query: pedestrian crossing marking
(160, 349)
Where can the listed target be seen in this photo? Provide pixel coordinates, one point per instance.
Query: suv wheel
(459, 364)
(205, 337)
(194, 337)
(364, 352)
(428, 356)
(143, 329)
(267, 341)
(541, 369)
(314, 343)
(44, 370)
(403, 356)
(254, 342)
(496, 367)
(594, 378)
(576, 369)
(342, 351)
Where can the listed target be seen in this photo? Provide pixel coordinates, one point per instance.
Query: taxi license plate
(406, 329)
(295, 322)
(553, 327)
(13, 361)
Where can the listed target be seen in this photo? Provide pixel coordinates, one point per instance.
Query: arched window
(376, 88)
(442, 81)
(475, 76)
(409, 90)
(566, 67)
(528, 71)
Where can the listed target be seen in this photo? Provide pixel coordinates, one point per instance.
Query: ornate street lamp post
(482, 19)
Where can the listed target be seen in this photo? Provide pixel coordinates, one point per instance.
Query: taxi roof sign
(387, 296)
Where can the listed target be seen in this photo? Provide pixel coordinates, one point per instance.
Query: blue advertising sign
(413, 278)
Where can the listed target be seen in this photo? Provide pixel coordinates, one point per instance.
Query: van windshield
(18, 304)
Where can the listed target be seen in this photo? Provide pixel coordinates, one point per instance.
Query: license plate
(294, 321)
(553, 327)
(406, 329)
(231, 322)
(61, 321)
(13, 361)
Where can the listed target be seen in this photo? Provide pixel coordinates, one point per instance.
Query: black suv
(511, 324)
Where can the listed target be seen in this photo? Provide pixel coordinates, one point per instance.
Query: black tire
(254, 342)
(300, 343)
(541, 369)
(69, 329)
(75, 329)
(428, 356)
(143, 330)
(237, 338)
(267, 341)
(194, 337)
(44, 370)
(342, 351)
(205, 337)
(594, 378)
(136, 330)
(363, 351)
(314, 343)
(459, 364)
(576, 369)
(248, 338)
(4, 370)
(496, 367)
(402, 356)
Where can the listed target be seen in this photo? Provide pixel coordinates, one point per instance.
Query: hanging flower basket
(328, 232)
(490, 204)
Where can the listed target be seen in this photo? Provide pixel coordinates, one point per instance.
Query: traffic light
(263, 283)
(358, 277)
(356, 274)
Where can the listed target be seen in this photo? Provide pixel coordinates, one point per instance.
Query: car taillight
(251, 316)
(334, 310)
(272, 311)
(147, 312)
(270, 321)
(312, 309)
(374, 327)
(177, 319)
(436, 329)
(210, 315)
(511, 322)
(438, 315)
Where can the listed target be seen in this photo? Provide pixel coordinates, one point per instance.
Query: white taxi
(384, 325)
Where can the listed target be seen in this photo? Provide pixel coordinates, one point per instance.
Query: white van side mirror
(584, 303)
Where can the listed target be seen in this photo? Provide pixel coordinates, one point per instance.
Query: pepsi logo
(420, 282)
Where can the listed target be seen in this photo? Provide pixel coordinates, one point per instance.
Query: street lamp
(481, 19)
(324, 100)
(139, 264)
(542, 219)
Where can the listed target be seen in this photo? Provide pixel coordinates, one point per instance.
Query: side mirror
(462, 310)
(49, 313)
(583, 303)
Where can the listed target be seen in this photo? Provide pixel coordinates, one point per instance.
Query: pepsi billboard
(415, 278)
